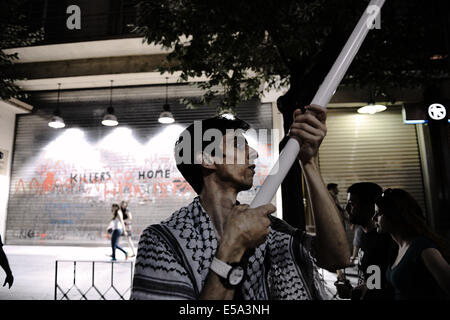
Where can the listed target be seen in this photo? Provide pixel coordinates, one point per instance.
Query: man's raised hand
(309, 129)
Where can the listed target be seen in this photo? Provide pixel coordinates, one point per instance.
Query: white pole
(322, 97)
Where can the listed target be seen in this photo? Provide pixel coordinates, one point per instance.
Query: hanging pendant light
(110, 119)
(372, 108)
(57, 121)
(166, 116)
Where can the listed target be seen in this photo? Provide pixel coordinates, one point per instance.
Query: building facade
(58, 185)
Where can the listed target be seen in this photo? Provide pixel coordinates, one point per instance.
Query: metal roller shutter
(372, 148)
(62, 189)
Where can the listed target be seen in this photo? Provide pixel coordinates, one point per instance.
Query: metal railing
(76, 290)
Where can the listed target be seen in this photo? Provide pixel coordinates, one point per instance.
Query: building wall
(7, 123)
(64, 181)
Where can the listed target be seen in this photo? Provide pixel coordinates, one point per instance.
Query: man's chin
(245, 187)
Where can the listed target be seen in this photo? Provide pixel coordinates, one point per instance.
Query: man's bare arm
(331, 247)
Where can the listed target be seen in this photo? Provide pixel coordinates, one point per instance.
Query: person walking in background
(5, 265)
(334, 192)
(421, 269)
(118, 228)
(127, 220)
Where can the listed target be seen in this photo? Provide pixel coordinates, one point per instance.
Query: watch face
(236, 275)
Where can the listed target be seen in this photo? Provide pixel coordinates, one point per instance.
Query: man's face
(354, 211)
(238, 166)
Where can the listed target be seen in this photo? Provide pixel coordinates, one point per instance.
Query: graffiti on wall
(63, 193)
(112, 173)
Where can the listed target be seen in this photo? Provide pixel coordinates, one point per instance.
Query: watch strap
(220, 268)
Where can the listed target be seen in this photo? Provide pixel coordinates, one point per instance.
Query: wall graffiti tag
(63, 193)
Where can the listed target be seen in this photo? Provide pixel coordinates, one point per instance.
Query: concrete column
(8, 112)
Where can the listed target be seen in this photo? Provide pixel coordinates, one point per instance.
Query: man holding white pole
(216, 248)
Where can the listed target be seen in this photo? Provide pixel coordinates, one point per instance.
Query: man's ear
(205, 160)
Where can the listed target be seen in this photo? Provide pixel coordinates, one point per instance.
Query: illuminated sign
(418, 113)
(437, 111)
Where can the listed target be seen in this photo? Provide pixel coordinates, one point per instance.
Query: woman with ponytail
(421, 269)
(118, 228)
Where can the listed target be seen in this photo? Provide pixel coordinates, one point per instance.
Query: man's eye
(239, 144)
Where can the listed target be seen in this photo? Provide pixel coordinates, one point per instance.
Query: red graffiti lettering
(34, 184)
(19, 185)
(47, 185)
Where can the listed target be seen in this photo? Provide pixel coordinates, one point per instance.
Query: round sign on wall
(437, 111)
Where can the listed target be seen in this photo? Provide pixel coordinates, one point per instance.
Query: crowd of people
(391, 233)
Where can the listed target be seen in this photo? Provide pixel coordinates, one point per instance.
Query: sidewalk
(34, 273)
(33, 269)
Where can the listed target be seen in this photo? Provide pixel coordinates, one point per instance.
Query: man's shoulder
(156, 244)
(151, 236)
(159, 272)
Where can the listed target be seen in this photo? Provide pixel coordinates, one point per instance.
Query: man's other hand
(247, 228)
(309, 129)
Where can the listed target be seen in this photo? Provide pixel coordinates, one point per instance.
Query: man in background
(376, 249)
(334, 192)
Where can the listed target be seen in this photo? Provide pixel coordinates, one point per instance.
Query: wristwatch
(231, 275)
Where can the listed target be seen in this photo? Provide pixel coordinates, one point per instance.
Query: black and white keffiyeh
(174, 257)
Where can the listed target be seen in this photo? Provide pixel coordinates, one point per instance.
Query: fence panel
(93, 280)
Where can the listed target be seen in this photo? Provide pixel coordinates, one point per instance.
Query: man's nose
(252, 154)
